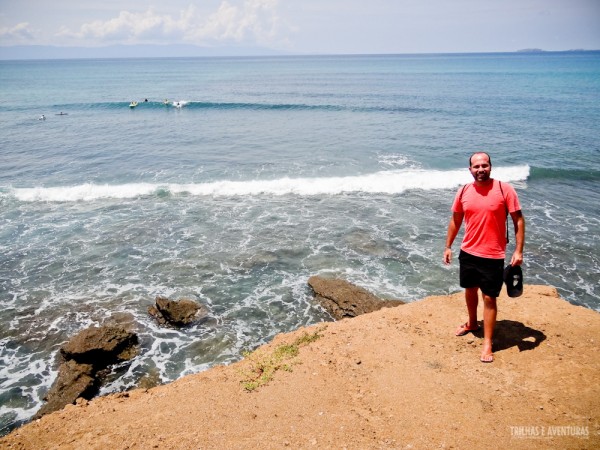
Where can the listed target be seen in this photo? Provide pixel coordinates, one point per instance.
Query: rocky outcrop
(100, 346)
(176, 313)
(343, 299)
(84, 358)
(73, 381)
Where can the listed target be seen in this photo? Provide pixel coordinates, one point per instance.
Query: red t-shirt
(484, 208)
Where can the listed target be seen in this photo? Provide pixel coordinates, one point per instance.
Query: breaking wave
(383, 182)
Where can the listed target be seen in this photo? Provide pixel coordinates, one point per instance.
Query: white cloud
(319, 26)
(130, 27)
(253, 21)
(19, 34)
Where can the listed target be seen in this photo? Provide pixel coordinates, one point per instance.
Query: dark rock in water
(176, 312)
(73, 381)
(100, 346)
(343, 299)
(85, 357)
(150, 380)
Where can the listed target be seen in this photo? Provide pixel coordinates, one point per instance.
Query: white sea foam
(383, 182)
(394, 160)
(83, 192)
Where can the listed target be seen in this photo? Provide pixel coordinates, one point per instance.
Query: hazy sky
(308, 26)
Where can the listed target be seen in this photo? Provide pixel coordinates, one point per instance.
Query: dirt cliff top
(395, 378)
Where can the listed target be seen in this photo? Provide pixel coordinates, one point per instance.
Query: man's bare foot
(465, 328)
(486, 355)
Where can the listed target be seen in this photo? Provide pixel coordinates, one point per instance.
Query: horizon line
(260, 53)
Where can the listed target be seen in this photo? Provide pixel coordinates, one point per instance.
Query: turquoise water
(272, 170)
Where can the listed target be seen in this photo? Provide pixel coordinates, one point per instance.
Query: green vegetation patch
(264, 365)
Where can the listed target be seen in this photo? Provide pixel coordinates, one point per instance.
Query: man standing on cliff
(484, 206)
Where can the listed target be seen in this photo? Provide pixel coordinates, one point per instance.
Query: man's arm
(519, 222)
(453, 227)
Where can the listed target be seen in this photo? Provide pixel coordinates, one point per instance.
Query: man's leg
(472, 300)
(490, 311)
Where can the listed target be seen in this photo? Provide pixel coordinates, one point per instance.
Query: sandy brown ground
(397, 378)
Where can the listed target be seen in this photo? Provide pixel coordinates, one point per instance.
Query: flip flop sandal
(464, 330)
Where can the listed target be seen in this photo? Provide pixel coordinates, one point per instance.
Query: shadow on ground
(509, 334)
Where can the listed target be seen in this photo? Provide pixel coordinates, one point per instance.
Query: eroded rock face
(343, 299)
(100, 346)
(84, 357)
(176, 313)
(73, 381)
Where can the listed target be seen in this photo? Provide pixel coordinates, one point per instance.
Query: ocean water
(270, 170)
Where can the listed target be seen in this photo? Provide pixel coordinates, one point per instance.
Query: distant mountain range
(539, 50)
(23, 52)
(127, 51)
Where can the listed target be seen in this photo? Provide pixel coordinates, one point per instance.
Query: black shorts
(485, 273)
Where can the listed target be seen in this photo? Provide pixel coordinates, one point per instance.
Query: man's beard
(481, 176)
